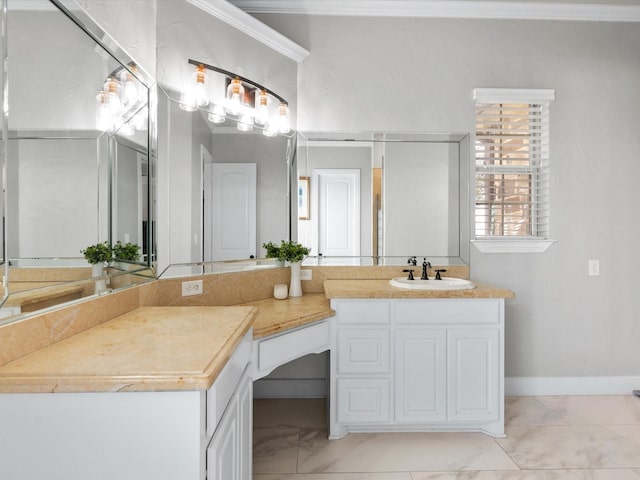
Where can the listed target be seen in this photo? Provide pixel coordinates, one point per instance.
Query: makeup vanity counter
(158, 392)
(277, 316)
(147, 349)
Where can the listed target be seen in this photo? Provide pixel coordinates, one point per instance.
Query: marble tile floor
(548, 438)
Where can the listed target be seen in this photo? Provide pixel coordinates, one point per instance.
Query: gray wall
(419, 74)
(131, 24)
(269, 155)
(336, 156)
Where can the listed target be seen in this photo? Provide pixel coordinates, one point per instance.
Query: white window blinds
(512, 163)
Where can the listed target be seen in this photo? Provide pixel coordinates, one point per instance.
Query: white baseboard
(514, 386)
(524, 386)
(290, 388)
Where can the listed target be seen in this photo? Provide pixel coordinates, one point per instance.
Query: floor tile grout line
(495, 440)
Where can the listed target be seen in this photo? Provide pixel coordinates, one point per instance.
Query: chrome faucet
(425, 265)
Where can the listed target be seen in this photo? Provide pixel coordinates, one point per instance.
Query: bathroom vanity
(159, 392)
(165, 392)
(416, 360)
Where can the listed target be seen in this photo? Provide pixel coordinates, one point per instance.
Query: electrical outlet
(306, 274)
(594, 268)
(193, 287)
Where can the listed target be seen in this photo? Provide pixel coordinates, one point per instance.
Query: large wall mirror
(380, 197)
(228, 190)
(77, 159)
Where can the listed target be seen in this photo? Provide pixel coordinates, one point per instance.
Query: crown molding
(602, 12)
(247, 24)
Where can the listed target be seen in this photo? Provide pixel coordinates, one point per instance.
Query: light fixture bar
(243, 79)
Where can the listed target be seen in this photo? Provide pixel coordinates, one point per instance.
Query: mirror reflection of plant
(287, 250)
(106, 253)
(98, 253)
(128, 252)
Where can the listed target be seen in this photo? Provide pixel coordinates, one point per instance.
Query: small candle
(280, 291)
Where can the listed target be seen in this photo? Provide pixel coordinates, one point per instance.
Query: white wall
(418, 75)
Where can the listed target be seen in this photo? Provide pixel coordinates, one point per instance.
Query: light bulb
(270, 130)
(112, 90)
(284, 122)
(262, 112)
(217, 114)
(130, 92)
(104, 120)
(199, 88)
(235, 96)
(245, 124)
(187, 102)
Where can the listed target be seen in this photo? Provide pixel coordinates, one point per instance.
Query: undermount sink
(447, 283)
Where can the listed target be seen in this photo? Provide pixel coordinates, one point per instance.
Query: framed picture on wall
(303, 198)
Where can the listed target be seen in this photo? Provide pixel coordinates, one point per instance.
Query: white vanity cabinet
(159, 435)
(418, 365)
(230, 448)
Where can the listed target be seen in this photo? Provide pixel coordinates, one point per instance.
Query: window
(512, 170)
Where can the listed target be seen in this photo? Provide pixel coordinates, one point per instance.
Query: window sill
(500, 245)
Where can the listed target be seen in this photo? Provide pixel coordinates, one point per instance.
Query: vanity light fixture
(196, 92)
(216, 113)
(119, 103)
(235, 96)
(284, 118)
(242, 100)
(262, 112)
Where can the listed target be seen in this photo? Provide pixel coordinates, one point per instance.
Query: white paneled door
(337, 212)
(229, 211)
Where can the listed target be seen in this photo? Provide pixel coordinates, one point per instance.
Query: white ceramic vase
(295, 288)
(97, 270)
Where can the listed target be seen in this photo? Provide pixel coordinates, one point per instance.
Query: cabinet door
(245, 426)
(473, 376)
(363, 400)
(363, 351)
(420, 376)
(223, 461)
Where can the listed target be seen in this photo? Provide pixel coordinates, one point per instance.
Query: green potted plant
(127, 252)
(293, 253)
(289, 251)
(100, 253)
(98, 256)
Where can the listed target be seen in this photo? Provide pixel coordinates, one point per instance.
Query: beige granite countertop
(146, 349)
(275, 316)
(382, 289)
(29, 293)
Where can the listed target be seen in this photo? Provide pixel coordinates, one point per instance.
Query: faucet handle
(410, 271)
(438, 277)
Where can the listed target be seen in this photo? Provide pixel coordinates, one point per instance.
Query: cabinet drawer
(220, 393)
(363, 400)
(458, 311)
(363, 351)
(279, 350)
(363, 311)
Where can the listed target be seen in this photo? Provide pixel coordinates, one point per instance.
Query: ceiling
(575, 10)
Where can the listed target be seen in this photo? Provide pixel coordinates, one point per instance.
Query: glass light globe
(235, 96)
